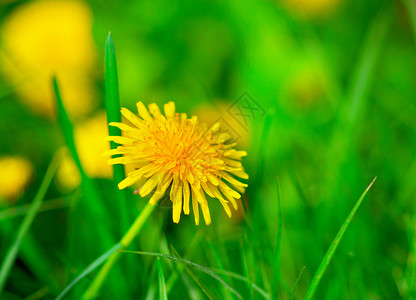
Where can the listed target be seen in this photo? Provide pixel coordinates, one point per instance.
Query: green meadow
(321, 94)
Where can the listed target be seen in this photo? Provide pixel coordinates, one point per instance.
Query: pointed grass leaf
(331, 251)
(94, 265)
(292, 293)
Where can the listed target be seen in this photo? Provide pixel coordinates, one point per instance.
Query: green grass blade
(361, 78)
(112, 107)
(411, 9)
(242, 278)
(33, 256)
(66, 126)
(342, 143)
(276, 258)
(162, 285)
(93, 200)
(191, 249)
(292, 293)
(132, 233)
(39, 294)
(95, 264)
(258, 177)
(214, 251)
(11, 254)
(189, 263)
(330, 253)
(202, 286)
(195, 278)
(151, 290)
(247, 247)
(21, 210)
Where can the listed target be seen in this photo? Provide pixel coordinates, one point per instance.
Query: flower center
(182, 148)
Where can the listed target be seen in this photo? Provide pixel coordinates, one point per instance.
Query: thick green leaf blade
(112, 107)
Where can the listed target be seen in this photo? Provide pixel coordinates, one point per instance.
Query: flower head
(43, 38)
(177, 155)
(16, 173)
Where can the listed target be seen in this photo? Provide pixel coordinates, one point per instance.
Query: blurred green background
(332, 84)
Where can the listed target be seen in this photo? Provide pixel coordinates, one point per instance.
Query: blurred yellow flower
(179, 156)
(45, 38)
(67, 176)
(312, 8)
(14, 176)
(90, 142)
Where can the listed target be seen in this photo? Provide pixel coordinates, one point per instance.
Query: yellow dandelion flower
(177, 155)
(14, 176)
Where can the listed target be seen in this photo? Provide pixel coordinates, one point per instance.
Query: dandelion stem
(125, 242)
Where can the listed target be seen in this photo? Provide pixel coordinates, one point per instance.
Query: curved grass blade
(95, 264)
(22, 210)
(93, 202)
(242, 278)
(203, 288)
(66, 126)
(39, 294)
(190, 263)
(112, 108)
(330, 253)
(125, 241)
(276, 258)
(350, 117)
(296, 283)
(11, 254)
(246, 249)
(191, 249)
(162, 285)
(32, 256)
(151, 291)
(367, 63)
(220, 265)
(411, 9)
